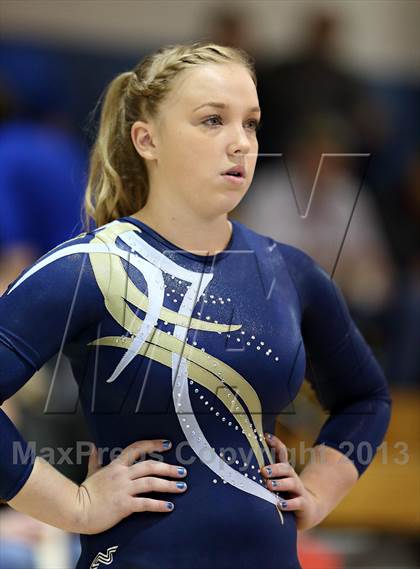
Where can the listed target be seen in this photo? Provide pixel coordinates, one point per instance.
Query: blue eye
(255, 124)
(217, 117)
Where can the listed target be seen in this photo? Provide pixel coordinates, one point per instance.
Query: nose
(239, 142)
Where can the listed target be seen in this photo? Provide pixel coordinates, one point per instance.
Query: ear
(141, 135)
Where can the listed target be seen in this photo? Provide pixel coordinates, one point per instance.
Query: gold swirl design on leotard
(118, 290)
(149, 340)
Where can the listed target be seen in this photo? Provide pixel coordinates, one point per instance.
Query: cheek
(176, 148)
(188, 155)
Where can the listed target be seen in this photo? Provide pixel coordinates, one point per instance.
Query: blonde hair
(118, 183)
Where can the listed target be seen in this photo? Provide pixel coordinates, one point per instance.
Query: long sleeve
(341, 367)
(46, 307)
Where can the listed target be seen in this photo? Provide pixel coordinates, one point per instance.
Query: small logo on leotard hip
(104, 558)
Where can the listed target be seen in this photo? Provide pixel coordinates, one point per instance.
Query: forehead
(228, 83)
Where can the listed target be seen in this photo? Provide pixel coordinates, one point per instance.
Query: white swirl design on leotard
(152, 264)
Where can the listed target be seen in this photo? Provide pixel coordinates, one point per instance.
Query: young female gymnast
(188, 334)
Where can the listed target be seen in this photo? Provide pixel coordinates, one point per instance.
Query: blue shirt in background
(42, 180)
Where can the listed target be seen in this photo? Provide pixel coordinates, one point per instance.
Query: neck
(202, 235)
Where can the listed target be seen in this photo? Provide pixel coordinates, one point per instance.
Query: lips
(236, 171)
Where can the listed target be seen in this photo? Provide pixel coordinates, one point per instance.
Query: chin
(223, 201)
(229, 202)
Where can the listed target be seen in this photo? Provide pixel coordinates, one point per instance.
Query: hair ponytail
(118, 183)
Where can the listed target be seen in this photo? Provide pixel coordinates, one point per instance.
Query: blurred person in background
(307, 200)
(321, 207)
(232, 27)
(42, 162)
(167, 168)
(311, 83)
(42, 178)
(400, 209)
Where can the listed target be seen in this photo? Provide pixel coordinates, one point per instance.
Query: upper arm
(46, 307)
(52, 302)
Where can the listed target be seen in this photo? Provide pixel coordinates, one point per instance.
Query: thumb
(93, 464)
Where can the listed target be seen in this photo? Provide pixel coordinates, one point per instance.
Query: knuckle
(149, 504)
(116, 466)
(132, 453)
(149, 465)
(148, 484)
(139, 504)
(131, 449)
(290, 485)
(116, 473)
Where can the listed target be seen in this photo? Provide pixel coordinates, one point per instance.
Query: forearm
(50, 497)
(329, 476)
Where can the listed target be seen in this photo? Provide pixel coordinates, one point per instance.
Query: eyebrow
(223, 106)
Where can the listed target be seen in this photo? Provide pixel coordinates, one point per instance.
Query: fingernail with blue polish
(283, 504)
(273, 483)
(181, 470)
(169, 505)
(166, 444)
(181, 485)
(268, 470)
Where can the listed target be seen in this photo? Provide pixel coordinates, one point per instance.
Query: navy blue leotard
(205, 351)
